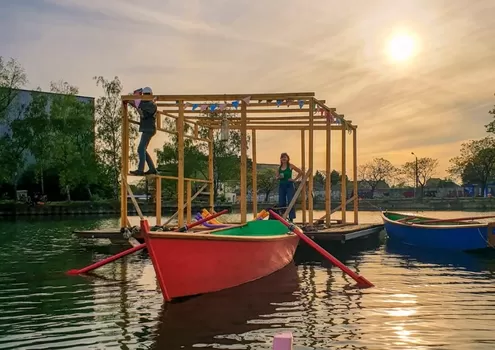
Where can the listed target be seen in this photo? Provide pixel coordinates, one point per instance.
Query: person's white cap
(147, 90)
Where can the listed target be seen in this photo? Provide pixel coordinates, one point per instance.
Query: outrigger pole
(361, 281)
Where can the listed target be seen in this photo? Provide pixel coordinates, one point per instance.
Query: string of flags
(221, 107)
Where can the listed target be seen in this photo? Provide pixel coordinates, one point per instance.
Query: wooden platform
(339, 232)
(344, 232)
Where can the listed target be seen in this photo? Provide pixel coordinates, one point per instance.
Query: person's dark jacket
(147, 112)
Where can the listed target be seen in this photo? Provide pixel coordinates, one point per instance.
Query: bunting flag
(235, 104)
(247, 99)
(301, 103)
(317, 108)
(269, 101)
(289, 102)
(222, 106)
(194, 106)
(213, 107)
(187, 104)
(279, 102)
(203, 107)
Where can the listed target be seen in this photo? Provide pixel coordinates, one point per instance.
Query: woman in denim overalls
(286, 183)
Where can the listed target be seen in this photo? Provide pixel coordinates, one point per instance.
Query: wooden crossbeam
(223, 97)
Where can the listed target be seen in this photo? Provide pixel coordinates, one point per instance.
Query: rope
(487, 242)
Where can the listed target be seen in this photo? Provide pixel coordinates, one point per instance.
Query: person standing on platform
(286, 187)
(147, 126)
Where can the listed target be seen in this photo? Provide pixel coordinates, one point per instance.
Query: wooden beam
(355, 175)
(343, 187)
(188, 201)
(243, 189)
(249, 111)
(303, 167)
(180, 164)
(279, 127)
(249, 107)
(328, 175)
(210, 171)
(158, 200)
(124, 167)
(254, 176)
(301, 187)
(221, 97)
(311, 161)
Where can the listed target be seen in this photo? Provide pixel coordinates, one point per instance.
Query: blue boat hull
(459, 237)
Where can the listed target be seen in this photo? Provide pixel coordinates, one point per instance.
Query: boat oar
(139, 247)
(456, 220)
(361, 281)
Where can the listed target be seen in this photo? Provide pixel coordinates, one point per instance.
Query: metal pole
(415, 176)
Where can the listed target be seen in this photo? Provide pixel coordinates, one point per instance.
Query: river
(422, 299)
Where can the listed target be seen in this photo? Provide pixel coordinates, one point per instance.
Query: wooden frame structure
(249, 112)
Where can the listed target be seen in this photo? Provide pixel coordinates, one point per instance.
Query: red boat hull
(188, 264)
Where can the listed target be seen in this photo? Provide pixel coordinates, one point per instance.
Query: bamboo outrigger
(254, 113)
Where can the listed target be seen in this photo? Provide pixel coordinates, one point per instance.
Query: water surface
(422, 299)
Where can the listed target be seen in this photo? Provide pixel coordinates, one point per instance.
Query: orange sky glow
(413, 75)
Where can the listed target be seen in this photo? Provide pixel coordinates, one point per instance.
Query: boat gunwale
(212, 237)
(474, 225)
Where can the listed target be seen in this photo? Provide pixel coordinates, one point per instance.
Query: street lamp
(415, 175)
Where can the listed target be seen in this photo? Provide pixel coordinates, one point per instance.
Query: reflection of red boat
(195, 263)
(202, 319)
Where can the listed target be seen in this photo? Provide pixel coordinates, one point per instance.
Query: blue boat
(435, 233)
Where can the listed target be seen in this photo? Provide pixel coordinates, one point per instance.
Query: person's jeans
(285, 194)
(143, 154)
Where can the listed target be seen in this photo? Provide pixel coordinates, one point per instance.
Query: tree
(267, 182)
(39, 130)
(490, 127)
(108, 125)
(335, 177)
(226, 153)
(73, 146)
(319, 179)
(476, 162)
(376, 171)
(13, 146)
(426, 169)
(12, 77)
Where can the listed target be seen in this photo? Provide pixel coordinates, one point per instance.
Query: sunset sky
(430, 96)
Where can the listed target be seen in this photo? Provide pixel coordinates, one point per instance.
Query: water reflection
(422, 299)
(233, 316)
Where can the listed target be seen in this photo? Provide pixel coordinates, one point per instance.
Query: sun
(401, 47)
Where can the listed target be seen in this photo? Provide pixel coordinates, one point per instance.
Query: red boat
(188, 264)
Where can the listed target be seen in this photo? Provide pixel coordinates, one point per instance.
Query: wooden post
(311, 164)
(210, 171)
(343, 187)
(355, 174)
(188, 201)
(180, 165)
(303, 167)
(254, 192)
(243, 191)
(158, 200)
(328, 175)
(124, 166)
